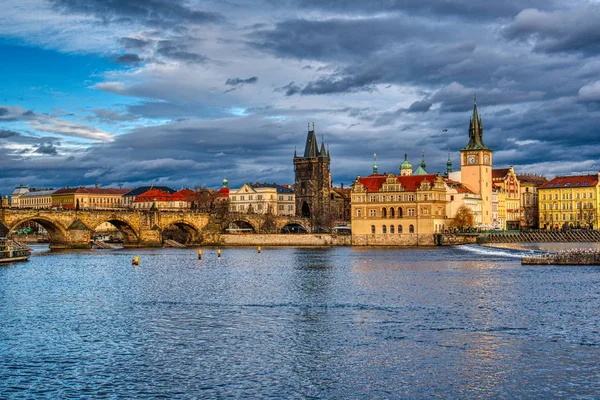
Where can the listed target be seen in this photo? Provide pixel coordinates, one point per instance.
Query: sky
(186, 93)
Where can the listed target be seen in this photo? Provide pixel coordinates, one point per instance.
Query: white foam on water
(494, 251)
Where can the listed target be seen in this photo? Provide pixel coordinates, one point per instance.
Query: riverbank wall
(285, 240)
(574, 236)
(577, 257)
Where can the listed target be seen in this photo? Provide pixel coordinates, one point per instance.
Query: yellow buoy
(199, 254)
(258, 249)
(219, 252)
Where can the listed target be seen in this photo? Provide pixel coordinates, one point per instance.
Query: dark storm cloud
(337, 38)
(468, 9)
(3, 111)
(240, 81)
(571, 30)
(5, 133)
(177, 50)
(47, 149)
(129, 58)
(419, 106)
(162, 13)
(290, 89)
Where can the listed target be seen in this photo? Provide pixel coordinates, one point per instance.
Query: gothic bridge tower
(313, 180)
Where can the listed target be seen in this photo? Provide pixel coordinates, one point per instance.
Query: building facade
(84, 198)
(458, 195)
(569, 202)
(312, 184)
(392, 206)
(262, 198)
(476, 167)
(36, 199)
(529, 184)
(130, 196)
(506, 179)
(156, 199)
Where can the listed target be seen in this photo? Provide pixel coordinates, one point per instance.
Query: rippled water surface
(464, 322)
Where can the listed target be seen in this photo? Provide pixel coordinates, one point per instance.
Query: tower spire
(374, 163)
(475, 130)
(448, 165)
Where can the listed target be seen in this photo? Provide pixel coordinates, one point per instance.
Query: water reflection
(295, 323)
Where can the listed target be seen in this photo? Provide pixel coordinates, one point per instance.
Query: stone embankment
(581, 236)
(285, 240)
(571, 257)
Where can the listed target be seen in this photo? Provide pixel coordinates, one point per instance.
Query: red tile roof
(530, 178)
(571, 182)
(500, 173)
(460, 188)
(374, 182)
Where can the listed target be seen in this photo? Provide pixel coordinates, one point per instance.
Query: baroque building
(403, 209)
(312, 185)
(570, 202)
(506, 180)
(476, 166)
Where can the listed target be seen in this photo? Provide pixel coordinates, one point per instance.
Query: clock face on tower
(471, 160)
(486, 160)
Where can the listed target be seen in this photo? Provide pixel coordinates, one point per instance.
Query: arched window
(384, 229)
(392, 212)
(392, 228)
(384, 212)
(399, 228)
(373, 229)
(399, 212)
(411, 229)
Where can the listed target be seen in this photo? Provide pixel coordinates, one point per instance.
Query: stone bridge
(74, 229)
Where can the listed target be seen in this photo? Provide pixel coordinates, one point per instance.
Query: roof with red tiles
(500, 173)
(373, 183)
(571, 182)
(534, 179)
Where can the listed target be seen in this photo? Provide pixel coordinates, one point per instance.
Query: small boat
(11, 251)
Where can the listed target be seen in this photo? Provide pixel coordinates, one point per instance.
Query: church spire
(374, 163)
(475, 131)
(311, 150)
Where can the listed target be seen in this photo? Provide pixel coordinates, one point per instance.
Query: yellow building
(398, 210)
(88, 198)
(569, 201)
(476, 167)
(506, 179)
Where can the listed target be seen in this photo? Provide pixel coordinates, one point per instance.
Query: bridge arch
(192, 234)
(58, 234)
(130, 235)
(293, 227)
(240, 225)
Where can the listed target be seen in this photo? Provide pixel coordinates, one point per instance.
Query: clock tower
(476, 166)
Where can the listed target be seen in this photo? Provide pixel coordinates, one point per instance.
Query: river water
(339, 323)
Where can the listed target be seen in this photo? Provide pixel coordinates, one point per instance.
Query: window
(411, 229)
(290, 207)
(372, 213)
(384, 212)
(280, 198)
(384, 229)
(358, 212)
(392, 213)
(391, 228)
(289, 198)
(399, 228)
(373, 229)
(250, 197)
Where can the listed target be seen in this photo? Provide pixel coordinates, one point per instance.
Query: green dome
(225, 182)
(405, 164)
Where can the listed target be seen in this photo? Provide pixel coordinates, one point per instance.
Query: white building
(36, 199)
(261, 198)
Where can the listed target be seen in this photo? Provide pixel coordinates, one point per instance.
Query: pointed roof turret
(421, 168)
(475, 131)
(311, 150)
(323, 151)
(374, 163)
